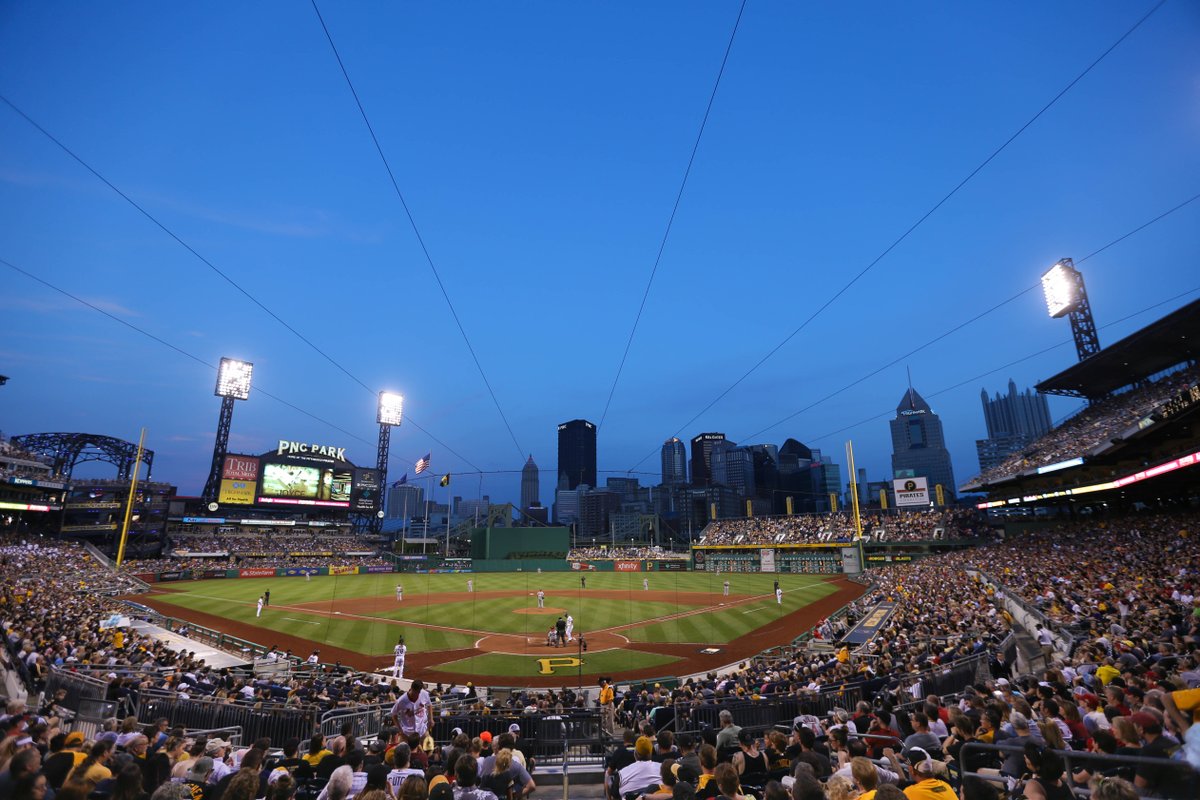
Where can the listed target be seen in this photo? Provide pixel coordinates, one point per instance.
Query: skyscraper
(405, 501)
(1013, 422)
(674, 463)
(577, 453)
(530, 495)
(733, 466)
(919, 445)
(702, 446)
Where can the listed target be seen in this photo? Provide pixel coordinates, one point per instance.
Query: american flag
(422, 464)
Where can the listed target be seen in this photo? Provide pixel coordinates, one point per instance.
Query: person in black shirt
(622, 756)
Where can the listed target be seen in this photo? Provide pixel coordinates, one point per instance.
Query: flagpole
(449, 509)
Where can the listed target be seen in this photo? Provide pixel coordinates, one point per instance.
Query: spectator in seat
(643, 772)
(727, 736)
(466, 775)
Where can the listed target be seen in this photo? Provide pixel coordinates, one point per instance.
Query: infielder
(400, 650)
(258, 613)
(541, 598)
(470, 584)
(570, 627)
(399, 593)
(726, 588)
(779, 595)
(646, 584)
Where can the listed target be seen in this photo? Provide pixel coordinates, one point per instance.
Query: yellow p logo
(548, 665)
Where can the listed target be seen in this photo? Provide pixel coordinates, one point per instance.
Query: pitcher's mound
(553, 611)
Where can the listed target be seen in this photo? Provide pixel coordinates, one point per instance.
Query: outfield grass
(370, 619)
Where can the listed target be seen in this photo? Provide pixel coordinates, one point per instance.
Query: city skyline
(541, 152)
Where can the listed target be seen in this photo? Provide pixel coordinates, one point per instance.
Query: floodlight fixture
(391, 408)
(1061, 286)
(233, 379)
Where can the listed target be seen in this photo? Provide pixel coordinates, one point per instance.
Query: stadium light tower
(233, 383)
(389, 415)
(1066, 295)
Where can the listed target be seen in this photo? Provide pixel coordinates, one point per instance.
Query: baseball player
(399, 593)
(541, 598)
(725, 586)
(267, 597)
(570, 627)
(308, 575)
(400, 650)
(470, 584)
(258, 613)
(778, 595)
(646, 584)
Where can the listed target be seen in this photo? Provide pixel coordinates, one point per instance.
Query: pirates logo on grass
(546, 666)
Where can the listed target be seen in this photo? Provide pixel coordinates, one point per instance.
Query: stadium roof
(1161, 344)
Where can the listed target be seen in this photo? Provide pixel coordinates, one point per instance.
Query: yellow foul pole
(137, 467)
(854, 489)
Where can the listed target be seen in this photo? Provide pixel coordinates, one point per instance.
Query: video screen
(335, 485)
(290, 480)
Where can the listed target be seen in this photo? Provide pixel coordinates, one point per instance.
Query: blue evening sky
(540, 147)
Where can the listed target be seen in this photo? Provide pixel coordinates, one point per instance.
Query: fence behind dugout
(278, 724)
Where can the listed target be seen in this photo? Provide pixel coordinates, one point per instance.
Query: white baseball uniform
(399, 592)
(258, 613)
(570, 627)
(398, 667)
(541, 598)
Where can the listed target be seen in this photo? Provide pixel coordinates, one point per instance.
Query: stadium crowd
(909, 526)
(623, 552)
(1096, 424)
(1126, 588)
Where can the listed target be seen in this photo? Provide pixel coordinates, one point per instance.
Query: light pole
(1066, 295)
(389, 414)
(233, 383)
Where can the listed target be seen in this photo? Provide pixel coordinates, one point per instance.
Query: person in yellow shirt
(1106, 672)
(608, 709)
(865, 777)
(927, 786)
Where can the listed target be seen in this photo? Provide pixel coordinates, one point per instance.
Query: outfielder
(646, 584)
(470, 584)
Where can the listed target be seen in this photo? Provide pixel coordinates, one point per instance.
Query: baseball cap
(925, 764)
(1144, 719)
(514, 728)
(456, 731)
(443, 791)
(1002, 681)
(485, 737)
(643, 747)
(74, 739)
(214, 745)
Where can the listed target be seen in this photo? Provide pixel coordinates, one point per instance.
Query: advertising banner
(766, 560)
(298, 572)
(257, 572)
(911, 491)
(375, 568)
(240, 468)
(343, 570)
(699, 559)
(627, 566)
(582, 565)
(173, 575)
(238, 493)
(365, 494)
(213, 573)
(851, 561)
(671, 566)
(148, 577)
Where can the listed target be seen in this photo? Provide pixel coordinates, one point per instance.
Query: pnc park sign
(292, 448)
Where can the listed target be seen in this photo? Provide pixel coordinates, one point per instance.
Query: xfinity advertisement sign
(911, 491)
